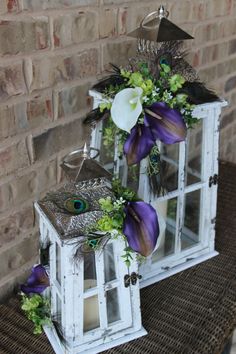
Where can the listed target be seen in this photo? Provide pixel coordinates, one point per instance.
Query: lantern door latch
(131, 279)
(213, 180)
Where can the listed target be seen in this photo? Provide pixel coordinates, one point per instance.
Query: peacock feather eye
(166, 59)
(76, 205)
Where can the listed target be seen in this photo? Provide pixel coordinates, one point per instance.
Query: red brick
(12, 81)
(17, 256)
(118, 52)
(7, 122)
(217, 8)
(205, 33)
(12, 5)
(198, 10)
(15, 225)
(74, 29)
(232, 46)
(214, 52)
(13, 158)
(230, 84)
(54, 69)
(227, 119)
(115, 2)
(130, 18)
(71, 100)
(181, 12)
(108, 22)
(28, 187)
(3, 7)
(53, 4)
(21, 117)
(122, 20)
(194, 58)
(61, 137)
(226, 67)
(209, 74)
(23, 36)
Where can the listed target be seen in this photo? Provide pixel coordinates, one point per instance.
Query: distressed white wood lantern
(187, 209)
(95, 298)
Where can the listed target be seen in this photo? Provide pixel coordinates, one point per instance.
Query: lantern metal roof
(159, 28)
(88, 181)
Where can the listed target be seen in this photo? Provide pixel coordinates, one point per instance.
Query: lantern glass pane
(190, 230)
(109, 264)
(58, 309)
(122, 175)
(113, 310)
(107, 148)
(90, 276)
(58, 263)
(169, 166)
(44, 255)
(133, 177)
(166, 211)
(194, 154)
(91, 313)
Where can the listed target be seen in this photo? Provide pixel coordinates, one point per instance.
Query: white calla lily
(126, 108)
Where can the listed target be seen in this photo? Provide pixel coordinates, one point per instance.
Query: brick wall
(51, 52)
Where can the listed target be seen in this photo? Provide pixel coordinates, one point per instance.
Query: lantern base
(121, 338)
(149, 279)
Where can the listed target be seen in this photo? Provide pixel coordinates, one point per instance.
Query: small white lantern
(187, 209)
(94, 299)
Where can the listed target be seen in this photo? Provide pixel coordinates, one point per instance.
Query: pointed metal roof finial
(162, 13)
(85, 152)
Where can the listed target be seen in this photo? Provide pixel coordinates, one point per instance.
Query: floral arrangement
(143, 109)
(36, 306)
(128, 217)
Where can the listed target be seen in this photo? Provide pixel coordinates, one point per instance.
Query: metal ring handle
(151, 14)
(66, 159)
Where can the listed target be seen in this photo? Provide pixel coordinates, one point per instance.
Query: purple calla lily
(166, 124)
(37, 282)
(141, 227)
(138, 144)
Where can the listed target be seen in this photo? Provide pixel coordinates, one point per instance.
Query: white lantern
(94, 299)
(187, 208)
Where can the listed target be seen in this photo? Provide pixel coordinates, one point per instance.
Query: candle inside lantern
(91, 311)
(161, 209)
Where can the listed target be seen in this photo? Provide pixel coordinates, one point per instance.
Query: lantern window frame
(209, 115)
(106, 335)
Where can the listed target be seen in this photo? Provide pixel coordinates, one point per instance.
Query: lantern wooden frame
(206, 186)
(68, 294)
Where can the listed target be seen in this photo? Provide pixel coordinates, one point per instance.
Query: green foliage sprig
(113, 217)
(37, 310)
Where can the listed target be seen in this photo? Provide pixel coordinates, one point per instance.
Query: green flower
(106, 204)
(105, 223)
(176, 82)
(37, 310)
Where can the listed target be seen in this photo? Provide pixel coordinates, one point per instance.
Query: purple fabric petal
(37, 282)
(38, 275)
(166, 124)
(141, 227)
(138, 144)
(37, 289)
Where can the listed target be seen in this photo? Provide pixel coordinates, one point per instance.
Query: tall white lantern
(94, 299)
(187, 208)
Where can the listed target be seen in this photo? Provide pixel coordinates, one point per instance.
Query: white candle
(91, 309)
